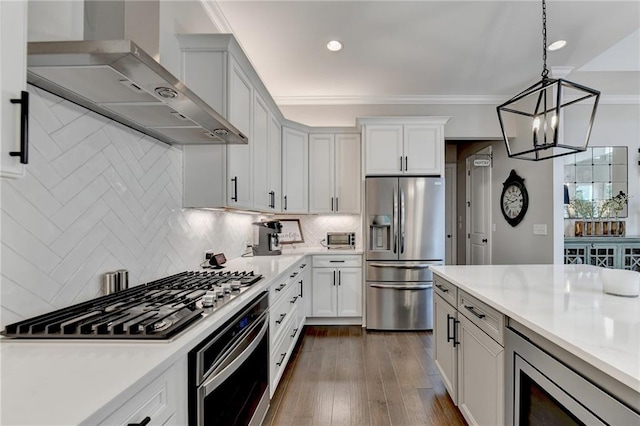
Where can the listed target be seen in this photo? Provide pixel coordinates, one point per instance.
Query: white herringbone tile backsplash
(97, 197)
(315, 227)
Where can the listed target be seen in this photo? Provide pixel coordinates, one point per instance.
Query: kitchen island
(564, 307)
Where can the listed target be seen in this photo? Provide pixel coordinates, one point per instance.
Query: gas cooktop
(157, 310)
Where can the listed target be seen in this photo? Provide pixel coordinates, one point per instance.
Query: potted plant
(583, 210)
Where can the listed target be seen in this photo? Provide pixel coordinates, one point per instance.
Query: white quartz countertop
(57, 382)
(564, 304)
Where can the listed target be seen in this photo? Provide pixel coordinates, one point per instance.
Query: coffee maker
(268, 241)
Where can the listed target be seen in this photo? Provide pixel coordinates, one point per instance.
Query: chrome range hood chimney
(117, 79)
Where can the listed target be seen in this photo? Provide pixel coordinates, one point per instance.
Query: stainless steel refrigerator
(405, 235)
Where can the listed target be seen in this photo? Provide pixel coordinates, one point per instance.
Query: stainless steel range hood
(119, 80)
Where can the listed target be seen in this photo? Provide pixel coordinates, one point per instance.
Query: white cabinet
(415, 148)
(266, 158)
(163, 401)
(295, 167)
(336, 290)
(239, 171)
(469, 353)
(286, 319)
(445, 319)
(334, 173)
(13, 81)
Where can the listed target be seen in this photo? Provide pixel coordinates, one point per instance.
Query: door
(451, 215)
(324, 293)
(421, 221)
(423, 149)
(262, 199)
(349, 292)
(478, 211)
(321, 174)
(382, 218)
(446, 354)
(13, 74)
(275, 161)
(383, 150)
(295, 164)
(348, 178)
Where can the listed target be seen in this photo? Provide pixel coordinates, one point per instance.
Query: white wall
(97, 197)
(52, 20)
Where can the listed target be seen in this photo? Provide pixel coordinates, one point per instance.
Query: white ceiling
(433, 51)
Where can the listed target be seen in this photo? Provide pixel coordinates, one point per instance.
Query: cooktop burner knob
(226, 287)
(219, 292)
(236, 285)
(208, 299)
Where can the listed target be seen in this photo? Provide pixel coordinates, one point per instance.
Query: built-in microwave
(341, 240)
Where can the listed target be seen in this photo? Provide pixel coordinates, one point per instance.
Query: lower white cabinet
(337, 291)
(286, 319)
(163, 401)
(469, 353)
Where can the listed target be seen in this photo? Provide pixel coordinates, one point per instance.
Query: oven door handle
(402, 287)
(226, 369)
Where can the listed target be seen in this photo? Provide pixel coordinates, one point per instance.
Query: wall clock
(514, 200)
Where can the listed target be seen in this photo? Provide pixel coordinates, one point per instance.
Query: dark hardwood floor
(346, 375)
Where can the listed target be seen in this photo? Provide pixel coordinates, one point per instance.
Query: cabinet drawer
(158, 401)
(283, 347)
(281, 312)
(344, 261)
(286, 282)
(482, 315)
(446, 290)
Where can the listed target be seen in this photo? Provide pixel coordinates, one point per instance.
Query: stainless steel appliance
(154, 311)
(543, 388)
(268, 239)
(404, 236)
(228, 372)
(341, 240)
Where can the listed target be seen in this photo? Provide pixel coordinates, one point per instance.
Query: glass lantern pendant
(536, 114)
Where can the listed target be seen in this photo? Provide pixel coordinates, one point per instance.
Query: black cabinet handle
(279, 363)
(484, 240)
(295, 331)
(339, 277)
(294, 299)
(442, 288)
(24, 128)
(293, 275)
(406, 163)
(336, 261)
(235, 189)
(331, 203)
(455, 332)
(281, 318)
(449, 336)
(285, 202)
(400, 163)
(471, 309)
(334, 278)
(281, 286)
(144, 422)
(337, 209)
(272, 199)
(301, 287)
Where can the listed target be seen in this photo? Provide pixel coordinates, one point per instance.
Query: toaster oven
(341, 240)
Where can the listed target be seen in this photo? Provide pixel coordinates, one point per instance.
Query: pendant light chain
(545, 71)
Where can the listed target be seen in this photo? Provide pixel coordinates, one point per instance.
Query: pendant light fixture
(538, 113)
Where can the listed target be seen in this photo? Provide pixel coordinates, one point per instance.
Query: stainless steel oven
(229, 371)
(544, 389)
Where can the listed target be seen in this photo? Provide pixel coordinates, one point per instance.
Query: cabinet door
(480, 376)
(321, 174)
(13, 74)
(324, 293)
(349, 292)
(347, 167)
(446, 355)
(239, 173)
(274, 156)
(383, 149)
(423, 149)
(262, 199)
(204, 175)
(295, 147)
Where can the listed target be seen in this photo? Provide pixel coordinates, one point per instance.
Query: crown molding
(214, 12)
(424, 100)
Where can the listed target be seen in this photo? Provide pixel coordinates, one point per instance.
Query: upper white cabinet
(334, 173)
(404, 147)
(266, 158)
(295, 167)
(239, 172)
(13, 81)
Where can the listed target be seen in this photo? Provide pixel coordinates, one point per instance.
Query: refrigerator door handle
(416, 266)
(402, 221)
(395, 221)
(402, 287)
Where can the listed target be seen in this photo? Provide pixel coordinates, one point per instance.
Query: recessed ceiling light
(334, 45)
(556, 45)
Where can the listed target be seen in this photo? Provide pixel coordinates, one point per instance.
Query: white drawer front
(338, 261)
(446, 290)
(281, 286)
(283, 347)
(482, 315)
(282, 310)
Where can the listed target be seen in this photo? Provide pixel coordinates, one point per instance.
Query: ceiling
(433, 51)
